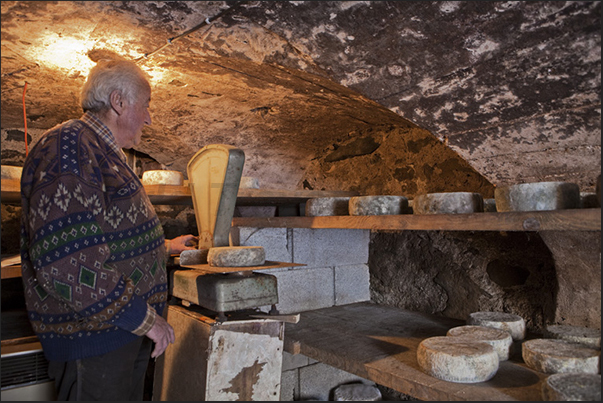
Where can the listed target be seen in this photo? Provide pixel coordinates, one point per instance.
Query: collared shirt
(103, 132)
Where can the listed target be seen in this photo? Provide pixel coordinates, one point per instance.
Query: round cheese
(456, 359)
(499, 339)
(575, 334)
(327, 206)
(572, 387)
(448, 203)
(162, 177)
(514, 324)
(378, 205)
(236, 256)
(553, 356)
(537, 196)
(193, 256)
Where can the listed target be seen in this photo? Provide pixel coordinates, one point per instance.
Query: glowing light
(70, 53)
(66, 53)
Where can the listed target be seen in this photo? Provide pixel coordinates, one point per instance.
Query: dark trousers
(117, 375)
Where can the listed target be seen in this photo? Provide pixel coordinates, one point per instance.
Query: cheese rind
(193, 256)
(448, 203)
(162, 177)
(236, 256)
(509, 322)
(537, 196)
(553, 356)
(457, 360)
(572, 387)
(327, 206)
(575, 334)
(378, 205)
(497, 338)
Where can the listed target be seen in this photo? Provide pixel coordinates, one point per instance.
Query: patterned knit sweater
(92, 248)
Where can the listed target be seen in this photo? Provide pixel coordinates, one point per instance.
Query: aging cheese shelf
(181, 195)
(558, 220)
(380, 343)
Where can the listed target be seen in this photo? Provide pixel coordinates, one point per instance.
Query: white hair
(107, 76)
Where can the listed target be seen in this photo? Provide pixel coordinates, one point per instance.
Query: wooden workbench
(379, 343)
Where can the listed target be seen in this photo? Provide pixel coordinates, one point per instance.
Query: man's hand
(183, 242)
(162, 334)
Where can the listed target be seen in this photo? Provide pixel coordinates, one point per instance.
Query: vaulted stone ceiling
(321, 94)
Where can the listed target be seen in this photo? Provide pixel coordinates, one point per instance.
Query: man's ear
(117, 102)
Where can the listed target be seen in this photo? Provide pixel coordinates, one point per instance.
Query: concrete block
(303, 288)
(289, 385)
(276, 242)
(294, 361)
(330, 247)
(318, 381)
(352, 284)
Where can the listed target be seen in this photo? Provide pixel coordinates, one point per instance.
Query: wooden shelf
(558, 220)
(165, 194)
(380, 343)
(181, 195)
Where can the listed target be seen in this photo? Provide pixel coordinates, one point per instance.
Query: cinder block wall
(335, 273)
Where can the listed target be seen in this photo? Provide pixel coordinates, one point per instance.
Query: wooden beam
(558, 220)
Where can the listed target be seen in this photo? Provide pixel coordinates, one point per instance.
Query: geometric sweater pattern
(93, 253)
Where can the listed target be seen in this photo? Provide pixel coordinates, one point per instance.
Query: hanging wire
(207, 21)
(25, 119)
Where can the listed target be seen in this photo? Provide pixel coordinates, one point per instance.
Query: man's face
(135, 116)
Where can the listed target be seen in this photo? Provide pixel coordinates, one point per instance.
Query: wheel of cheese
(378, 205)
(499, 339)
(572, 387)
(509, 322)
(553, 356)
(327, 206)
(448, 203)
(575, 334)
(455, 359)
(537, 196)
(236, 256)
(162, 177)
(193, 256)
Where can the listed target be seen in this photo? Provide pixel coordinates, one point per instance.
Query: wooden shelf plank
(165, 194)
(559, 220)
(380, 343)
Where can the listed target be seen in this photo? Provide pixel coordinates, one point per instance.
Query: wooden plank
(379, 343)
(11, 272)
(169, 194)
(558, 220)
(10, 191)
(207, 269)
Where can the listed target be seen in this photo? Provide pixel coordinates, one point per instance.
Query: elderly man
(92, 248)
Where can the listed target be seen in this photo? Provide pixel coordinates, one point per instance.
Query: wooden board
(575, 220)
(165, 194)
(206, 268)
(380, 343)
